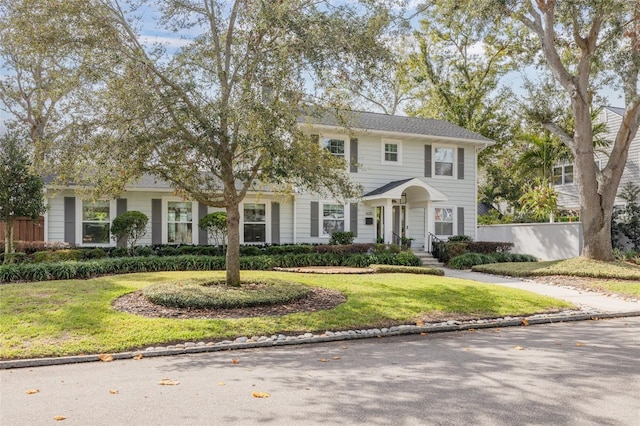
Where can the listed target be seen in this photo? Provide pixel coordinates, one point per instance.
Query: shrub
(66, 255)
(466, 261)
(392, 269)
(144, 251)
(460, 239)
(14, 258)
(203, 294)
(128, 228)
(341, 238)
(94, 253)
(41, 256)
(216, 226)
(119, 252)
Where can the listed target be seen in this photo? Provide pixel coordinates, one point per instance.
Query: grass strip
(576, 267)
(56, 318)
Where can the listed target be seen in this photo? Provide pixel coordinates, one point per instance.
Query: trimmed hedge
(207, 294)
(125, 265)
(466, 261)
(399, 269)
(448, 250)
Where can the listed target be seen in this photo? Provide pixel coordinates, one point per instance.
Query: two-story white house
(564, 178)
(419, 178)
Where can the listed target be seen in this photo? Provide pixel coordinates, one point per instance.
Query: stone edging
(328, 336)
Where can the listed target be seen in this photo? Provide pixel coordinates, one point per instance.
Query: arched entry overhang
(392, 202)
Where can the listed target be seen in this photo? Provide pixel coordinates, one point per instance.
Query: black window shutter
(203, 237)
(315, 218)
(460, 220)
(70, 220)
(460, 163)
(121, 206)
(427, 160)
(353, 219)
(275, 223)
(353, 168)
(156, 221)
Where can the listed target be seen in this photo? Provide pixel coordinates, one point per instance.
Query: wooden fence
(26, 229)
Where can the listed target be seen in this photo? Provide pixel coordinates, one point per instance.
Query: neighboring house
(564, 177)
(419, 178)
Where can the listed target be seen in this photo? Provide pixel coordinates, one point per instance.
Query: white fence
(546, 241)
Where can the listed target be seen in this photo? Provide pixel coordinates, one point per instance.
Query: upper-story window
(391, 151)
(335, 146)
(563, 175)
(443, 161)
(96, 222)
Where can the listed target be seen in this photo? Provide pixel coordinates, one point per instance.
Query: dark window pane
(95, 233)
(255, 233)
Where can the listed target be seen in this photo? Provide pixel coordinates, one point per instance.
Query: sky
(173, 41)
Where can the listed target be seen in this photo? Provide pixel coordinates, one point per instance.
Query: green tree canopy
(20, 189)
(220, 115)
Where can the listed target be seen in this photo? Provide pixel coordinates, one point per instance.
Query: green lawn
(576, 267)
(615, 277)
(58, 318)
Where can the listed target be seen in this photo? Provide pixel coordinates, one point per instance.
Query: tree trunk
(596, 198)
(233, 246)
(8, 239)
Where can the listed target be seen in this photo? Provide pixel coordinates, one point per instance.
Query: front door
(399, 223)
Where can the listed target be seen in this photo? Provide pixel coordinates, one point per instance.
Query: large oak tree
(219, 115)
(584, 43)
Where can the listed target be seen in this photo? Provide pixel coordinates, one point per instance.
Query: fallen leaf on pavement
(168, 382)
(105, 357)
(113, 392)
(519, 348)
(579, 344)
(525, 322)
(420, 323)
(336, 357)
(32, 391)
(467, 349)
(138, 357)
(260, 395)
(221, 384)
(58, 418)
(235, 361)
(323, 360)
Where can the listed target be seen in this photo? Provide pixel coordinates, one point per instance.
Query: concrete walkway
(601, 302)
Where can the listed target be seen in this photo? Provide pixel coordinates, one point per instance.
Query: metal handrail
(432, 243)
(396, 239)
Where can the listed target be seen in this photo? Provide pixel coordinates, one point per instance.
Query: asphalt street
(579, 373)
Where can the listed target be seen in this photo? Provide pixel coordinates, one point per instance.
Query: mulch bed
(318, 299)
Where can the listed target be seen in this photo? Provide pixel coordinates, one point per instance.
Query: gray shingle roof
(398, 124)
(387, 187)
(619, 111)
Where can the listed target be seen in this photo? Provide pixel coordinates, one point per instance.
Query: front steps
(427, 259)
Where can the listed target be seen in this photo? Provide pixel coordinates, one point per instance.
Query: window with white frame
(255, 222)
(96, 222)
(443, 217)
(563, 175)
(443, 159)
(332, 218)
(335, 146)
(391, 151)
(179, 222)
